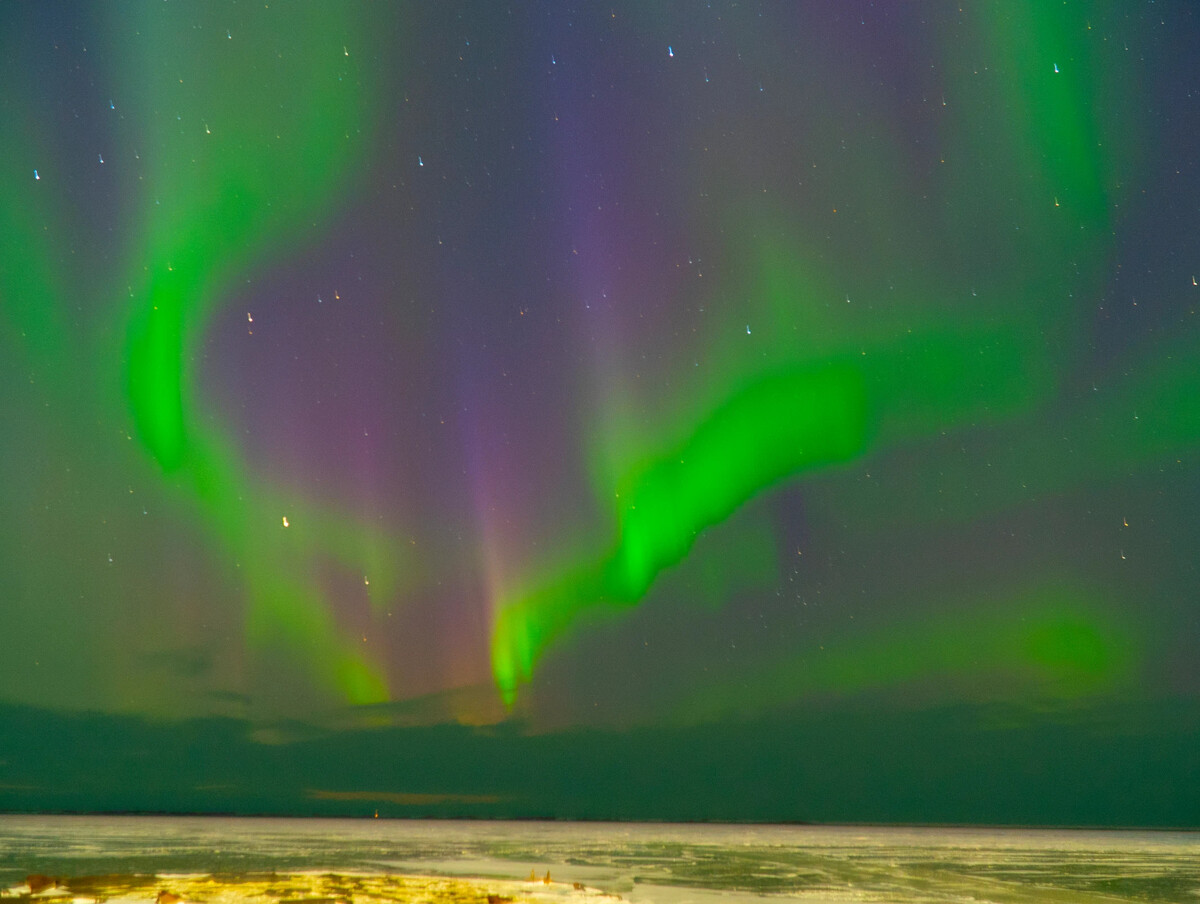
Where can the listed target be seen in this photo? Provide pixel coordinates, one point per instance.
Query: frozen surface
(214, 861)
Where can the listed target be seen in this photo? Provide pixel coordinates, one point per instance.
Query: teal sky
(734, 411)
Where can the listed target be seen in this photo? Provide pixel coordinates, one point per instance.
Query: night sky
(720, 410)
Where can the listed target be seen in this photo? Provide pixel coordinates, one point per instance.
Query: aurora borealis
(486, 382)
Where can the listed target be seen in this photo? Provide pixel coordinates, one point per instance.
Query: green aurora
(900, 372)
(790, 370)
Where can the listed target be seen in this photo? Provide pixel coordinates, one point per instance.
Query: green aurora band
(270, 151)
(768, 431)
(1053, 641)
(222, 188)
(899, 375)
(820, 386)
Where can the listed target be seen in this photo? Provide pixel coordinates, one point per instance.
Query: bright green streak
(247, 134)
(783, 424)
(155, 374)
(252, 123)
(238, 126)
(779, 426)
(1021, 191)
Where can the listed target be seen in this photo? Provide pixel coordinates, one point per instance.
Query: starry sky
(722, 410)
